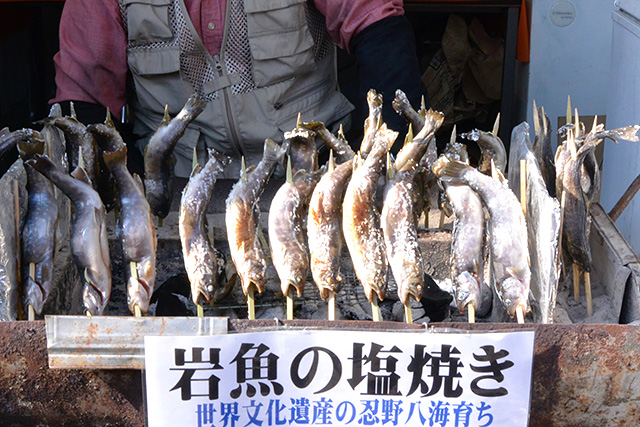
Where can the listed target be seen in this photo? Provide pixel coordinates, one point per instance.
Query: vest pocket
(280, 41)
(156, 75)
(148, 21)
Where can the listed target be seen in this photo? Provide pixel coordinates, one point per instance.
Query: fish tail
(112, 158)
(195, 105)
(272, 150)
(221, 158)
(34, 144)
(450, 170)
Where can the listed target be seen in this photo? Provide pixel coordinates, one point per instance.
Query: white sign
(339, 378)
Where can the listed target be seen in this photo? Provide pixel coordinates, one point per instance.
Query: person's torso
(276, 60)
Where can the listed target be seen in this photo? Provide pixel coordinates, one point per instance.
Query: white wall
(622, 162)
(571, 60)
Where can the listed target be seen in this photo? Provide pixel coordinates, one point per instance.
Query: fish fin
(81, 175)
(35, 144)
(166, 118)
(391, 171)
(513, 273)
(496, 125)
(108, 120)
(138, 181)
(289, 170)
(112, 158)
(274, 150)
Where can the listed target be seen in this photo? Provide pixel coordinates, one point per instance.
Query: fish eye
(508, 302)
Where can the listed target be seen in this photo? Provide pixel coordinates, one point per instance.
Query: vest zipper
(235, 140)
(278, 105)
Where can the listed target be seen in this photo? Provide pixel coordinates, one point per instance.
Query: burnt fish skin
(507, 231)
(159, 159)
(200, 259)
(134, 228)
(89, 240)
(398, 218)
(38, 232)
(241, 219)
(361, 219)
(286, 233)
(324, 230)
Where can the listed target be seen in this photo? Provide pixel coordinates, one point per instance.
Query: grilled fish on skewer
(339, 145)
(38, 233)
(242, 219)
(507, 231)
(398, 220)
(361, 219)
(286, 233)
(135, 229)
(89, 242)
(324, 230)
(491, 148)
(159, 159)
(200, 259)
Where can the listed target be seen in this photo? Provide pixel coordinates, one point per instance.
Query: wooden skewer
(576, 282)
(441, 223)
(16, 217)
(31, 314)
(251, 303)
(200, 310)
(134, 273)
(88, 313)
(587, 291)
(160, 222)
(523, 185)
(426, 218)
(331, 306)
(471, 313)
(289, 307)
(408, 313)
(520, 315)
(375, 309)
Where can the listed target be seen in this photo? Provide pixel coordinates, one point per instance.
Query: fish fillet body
(242, 217)
(135, 229)
(324, 229)
(507, 231)
(89, 240)
(38, 232)
(200, 259)
(361, 219)
(159, 159)
(286, 234)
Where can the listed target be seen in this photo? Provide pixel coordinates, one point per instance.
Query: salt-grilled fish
(398, 220)
(286, 233)
(467, 237)
(507, 231)
(338, 144)
(242, 219)
(324, 229)
(159, 159)
(200, 258)
(135, 229)
(89, 240)
(491, 148)
(361, 219)
(38, 232)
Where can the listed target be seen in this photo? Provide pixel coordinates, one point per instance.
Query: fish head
(514, 293)
(94, 301)
(468, 290)
(255, 275)
(412, 287)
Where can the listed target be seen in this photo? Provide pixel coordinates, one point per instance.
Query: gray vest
(276, 61)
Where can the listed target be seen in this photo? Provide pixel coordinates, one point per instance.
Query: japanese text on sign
(339, 379)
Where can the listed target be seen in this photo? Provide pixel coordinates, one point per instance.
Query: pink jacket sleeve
(345, 18)
(91, 65)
